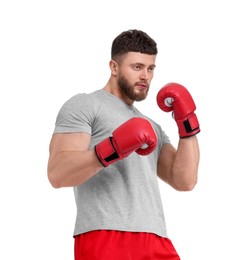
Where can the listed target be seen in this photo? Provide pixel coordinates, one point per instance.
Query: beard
(129, 91)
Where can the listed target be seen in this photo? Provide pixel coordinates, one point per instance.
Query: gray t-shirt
(124, 196)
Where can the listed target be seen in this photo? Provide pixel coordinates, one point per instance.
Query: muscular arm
(71, 163)
(179, 168)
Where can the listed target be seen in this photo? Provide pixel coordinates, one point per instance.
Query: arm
(179, 168)
(71, 163)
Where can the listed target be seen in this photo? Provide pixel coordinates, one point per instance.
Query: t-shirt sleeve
(165, 138)
(76, 115)
(161, 134)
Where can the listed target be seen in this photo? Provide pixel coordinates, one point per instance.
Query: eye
(151, 69)
(137, 67)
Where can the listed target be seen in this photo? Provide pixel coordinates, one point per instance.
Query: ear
(113, 67)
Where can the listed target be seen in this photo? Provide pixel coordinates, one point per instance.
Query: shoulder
(81, 101)
(78, 99)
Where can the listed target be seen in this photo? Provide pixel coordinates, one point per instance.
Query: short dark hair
(133, 41)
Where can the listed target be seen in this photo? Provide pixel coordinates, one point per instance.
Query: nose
(144, 74)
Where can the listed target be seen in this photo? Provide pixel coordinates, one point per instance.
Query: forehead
(138, 57)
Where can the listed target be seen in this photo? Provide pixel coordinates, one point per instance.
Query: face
(135, 72)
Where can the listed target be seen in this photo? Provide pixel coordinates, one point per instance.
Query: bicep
(165, 162)
(69, 142)
(71, 162)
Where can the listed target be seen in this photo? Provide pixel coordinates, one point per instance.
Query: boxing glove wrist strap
(188, 126)
(106, 152)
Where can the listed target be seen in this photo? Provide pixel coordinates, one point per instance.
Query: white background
(51, 50)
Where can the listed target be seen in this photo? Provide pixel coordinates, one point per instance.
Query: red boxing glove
(136, 134)
(175, 97)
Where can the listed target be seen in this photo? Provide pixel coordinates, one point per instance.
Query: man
(112, 154)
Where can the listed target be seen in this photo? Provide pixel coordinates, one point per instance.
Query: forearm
(186, 163)
(72, 168)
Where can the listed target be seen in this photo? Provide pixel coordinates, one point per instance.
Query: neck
(114, 89)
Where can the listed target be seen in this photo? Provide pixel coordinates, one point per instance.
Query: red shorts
(120, 245)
